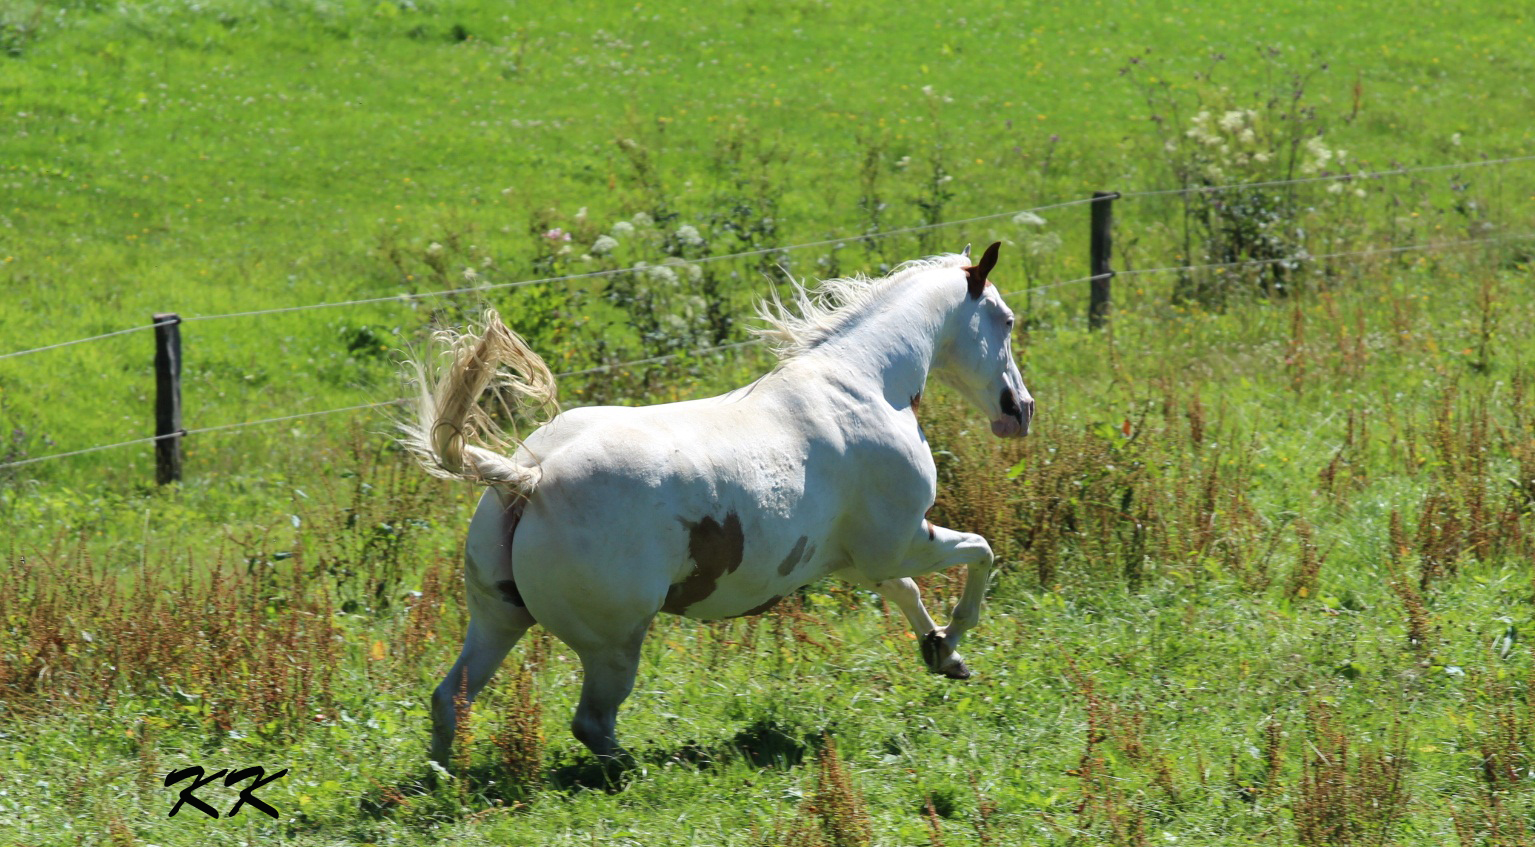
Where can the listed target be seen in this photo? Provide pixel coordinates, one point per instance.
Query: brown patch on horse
(929, 524)
(792, 560)
(975, 275)
(916, 402)
(757, 610)
(716, 549)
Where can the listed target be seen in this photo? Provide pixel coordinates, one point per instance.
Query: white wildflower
(433, 249)
(1261, 157)
(604, 245)
(1359, 192)
(642, 220)
(1247, 136)
(623, 229)
(661, 274)
(1335, 188)
(1319, 154)
(1455, 140)
(675, 266)
(1028, 219)
(688, 235)
(1204, 136)
(1233, 121)
(470, 274)
(1042, 244)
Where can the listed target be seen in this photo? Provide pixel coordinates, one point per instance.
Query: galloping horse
(718, 508)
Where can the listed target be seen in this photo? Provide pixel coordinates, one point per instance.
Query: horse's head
(976, 355)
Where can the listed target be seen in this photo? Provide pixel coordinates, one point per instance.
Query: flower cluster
(1037, 243)
(1232, 144)
(1228, 143)
(642, 231)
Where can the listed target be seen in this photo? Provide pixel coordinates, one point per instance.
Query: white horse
(719, 508)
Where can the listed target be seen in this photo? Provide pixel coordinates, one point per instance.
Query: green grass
(1189, 625)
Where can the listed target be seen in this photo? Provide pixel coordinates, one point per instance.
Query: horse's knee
(965, 617)
(984, 557)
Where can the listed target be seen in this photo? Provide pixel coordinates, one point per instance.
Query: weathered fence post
(168, 429)
(1101, 249)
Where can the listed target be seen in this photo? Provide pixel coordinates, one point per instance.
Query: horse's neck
(890, 351)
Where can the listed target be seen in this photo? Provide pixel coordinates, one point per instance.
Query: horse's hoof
(958, 670)
(940, 659)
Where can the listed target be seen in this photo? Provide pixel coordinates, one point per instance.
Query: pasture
(1263, 563)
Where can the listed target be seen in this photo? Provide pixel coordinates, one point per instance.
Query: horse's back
(701, 508)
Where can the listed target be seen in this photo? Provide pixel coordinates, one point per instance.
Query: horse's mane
(815, 313)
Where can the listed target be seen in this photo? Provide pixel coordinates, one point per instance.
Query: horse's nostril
(1010, 404)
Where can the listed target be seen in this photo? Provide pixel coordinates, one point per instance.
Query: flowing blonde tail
(449, 415)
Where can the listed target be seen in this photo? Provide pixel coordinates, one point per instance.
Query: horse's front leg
(935, 548)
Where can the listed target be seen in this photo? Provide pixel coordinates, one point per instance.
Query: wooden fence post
(168, 429)
(1102, 249)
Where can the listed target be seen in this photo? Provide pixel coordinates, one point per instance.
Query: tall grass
(1264, 564)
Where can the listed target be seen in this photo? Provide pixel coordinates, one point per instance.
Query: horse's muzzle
(1014, 422)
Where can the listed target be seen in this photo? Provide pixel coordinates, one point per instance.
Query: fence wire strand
(104, 335)
(704, 351)
(1380, 251)
(409, 297)
(414, 297)
(720, 348)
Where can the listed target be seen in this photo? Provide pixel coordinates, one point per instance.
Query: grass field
(1265, 561)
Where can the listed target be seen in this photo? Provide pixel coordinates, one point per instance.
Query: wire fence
(810, 245)
(830, 242)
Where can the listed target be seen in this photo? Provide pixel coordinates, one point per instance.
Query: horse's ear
(965, 252)
(976, 274)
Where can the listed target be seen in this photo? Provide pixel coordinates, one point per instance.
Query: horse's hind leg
(497, 617)
(490, 637)
(608, 673)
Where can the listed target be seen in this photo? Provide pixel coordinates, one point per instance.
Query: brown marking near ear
(795, 556)
(916, 401)
(716, 549)
(975, 275)
(757, 610)
(930, 533)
